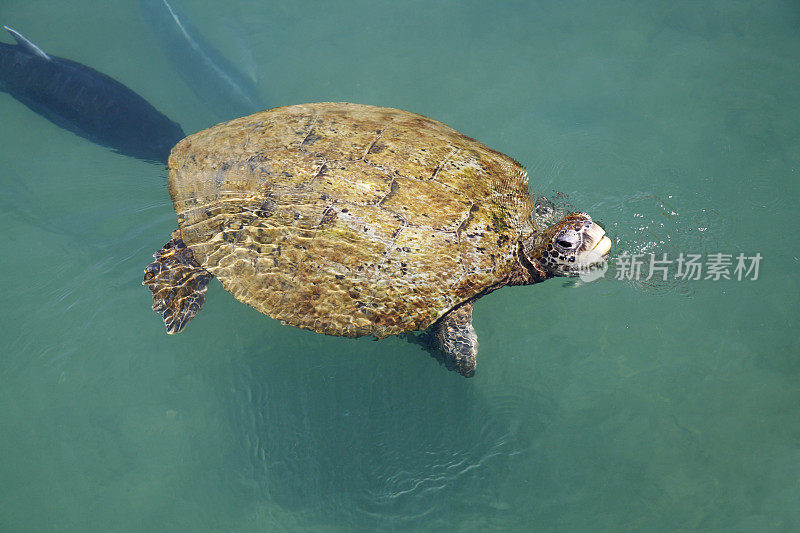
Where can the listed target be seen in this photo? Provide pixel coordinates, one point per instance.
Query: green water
(609, 406)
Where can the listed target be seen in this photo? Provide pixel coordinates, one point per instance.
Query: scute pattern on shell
(349, 219)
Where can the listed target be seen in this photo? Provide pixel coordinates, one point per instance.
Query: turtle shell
(349, 219)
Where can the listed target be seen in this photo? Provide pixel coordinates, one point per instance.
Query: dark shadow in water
(215, 80)
(86, 102)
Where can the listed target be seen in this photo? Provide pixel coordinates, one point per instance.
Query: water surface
(607, 406)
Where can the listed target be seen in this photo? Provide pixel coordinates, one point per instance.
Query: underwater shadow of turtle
(86, 102)
(214, 80)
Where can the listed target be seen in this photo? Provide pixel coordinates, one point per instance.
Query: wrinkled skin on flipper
(456, 339)
(452, 341)
(178, 284)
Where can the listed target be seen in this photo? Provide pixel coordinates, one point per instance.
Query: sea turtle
(355, 220)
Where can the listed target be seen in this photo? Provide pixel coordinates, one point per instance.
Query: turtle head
(570, 246)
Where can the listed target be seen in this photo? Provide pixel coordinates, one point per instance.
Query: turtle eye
(565, 243)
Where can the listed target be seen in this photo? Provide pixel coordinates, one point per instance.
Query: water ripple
(651, 223)
(364, 444)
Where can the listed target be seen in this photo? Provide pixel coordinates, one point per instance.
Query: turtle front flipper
(178, 284)
(457, 341)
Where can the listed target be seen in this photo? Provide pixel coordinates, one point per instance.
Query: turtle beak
(602, 242)
(598, 245)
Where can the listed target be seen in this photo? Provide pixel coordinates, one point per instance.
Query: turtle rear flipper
(178, 284)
